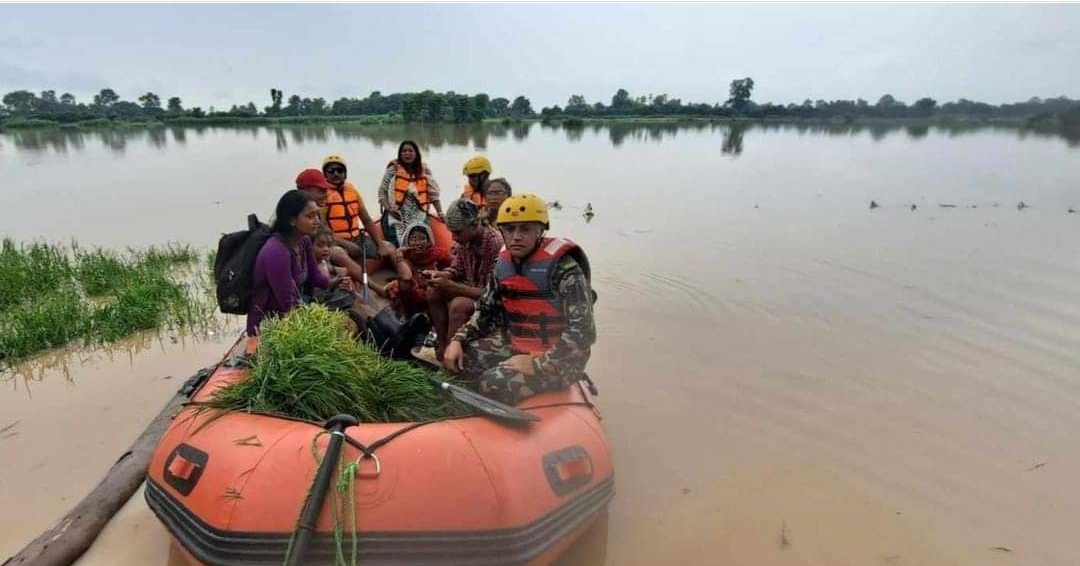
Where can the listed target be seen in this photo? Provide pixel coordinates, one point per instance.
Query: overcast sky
(225, 54)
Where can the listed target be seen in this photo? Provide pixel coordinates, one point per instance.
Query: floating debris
(588, 209)
(1035, 467)
(7, 431)
(873, 205)
(913, 207)
(685, 490)
(947, 205)
(555, 204)
(1021, 205)
(1072, 210)
(1001, 549)
(784, 542)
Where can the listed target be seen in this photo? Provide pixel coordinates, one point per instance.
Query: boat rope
(369, 450)
(345, 492)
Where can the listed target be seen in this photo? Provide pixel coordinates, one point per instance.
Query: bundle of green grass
(308, 366)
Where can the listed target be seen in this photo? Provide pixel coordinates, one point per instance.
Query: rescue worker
(533, 328)
(346, 213)
(478, 170)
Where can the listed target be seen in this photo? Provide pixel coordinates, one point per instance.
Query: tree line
(740, 105)
(433, 107)
(426, 106)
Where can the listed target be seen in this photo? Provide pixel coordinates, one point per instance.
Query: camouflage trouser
(482, 363)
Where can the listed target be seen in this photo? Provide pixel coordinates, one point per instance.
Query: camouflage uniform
(486, 345)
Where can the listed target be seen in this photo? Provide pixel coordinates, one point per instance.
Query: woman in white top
(408, 192)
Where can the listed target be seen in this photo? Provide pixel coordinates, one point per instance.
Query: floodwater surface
(788, 376)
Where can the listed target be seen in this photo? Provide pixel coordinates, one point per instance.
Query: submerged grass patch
(27, 272)
(309, 367)
(51, 296)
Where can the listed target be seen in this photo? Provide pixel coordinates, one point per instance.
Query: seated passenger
(408, 292)
(452, 292)
(286, 264)
(408, 193)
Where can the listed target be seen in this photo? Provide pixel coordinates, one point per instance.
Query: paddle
(363, 265)
(489, 407)
(477, 401)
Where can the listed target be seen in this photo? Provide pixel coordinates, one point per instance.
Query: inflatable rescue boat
(473, 490)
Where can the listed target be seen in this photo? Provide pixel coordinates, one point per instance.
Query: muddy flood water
(787, 376)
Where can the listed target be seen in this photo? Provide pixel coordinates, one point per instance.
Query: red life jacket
(534, 310)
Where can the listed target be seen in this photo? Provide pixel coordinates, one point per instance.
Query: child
(381, 328)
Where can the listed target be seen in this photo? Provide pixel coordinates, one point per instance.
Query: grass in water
(309, 367)
(28, 272)
(51, 296)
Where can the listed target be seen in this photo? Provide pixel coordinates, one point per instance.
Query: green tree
(480, 105)
(275, 102)
(460, 108)
(295, 106)
(67, 99)
(150, 101)
(410, 109)
(621, 100)
(107, 97)
(886, 101)
(49, 97)
(521, 108)
(499, 108)
(20, 101)
(740, 92)
(925, 106)
(125, 109)
(175, 106)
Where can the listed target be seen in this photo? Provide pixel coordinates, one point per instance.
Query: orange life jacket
(402, 178)
(534, 310)
(474, 195)
(343, 211)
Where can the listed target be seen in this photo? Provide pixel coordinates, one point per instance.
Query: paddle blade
(488, 406)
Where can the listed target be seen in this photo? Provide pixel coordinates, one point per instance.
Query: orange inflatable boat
(469, 490)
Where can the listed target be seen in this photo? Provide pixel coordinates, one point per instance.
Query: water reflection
(435, 136)
(733, 139)
(62, 360)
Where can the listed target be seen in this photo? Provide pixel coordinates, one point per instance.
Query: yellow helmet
(476, 165)
(333, 159)
(523, 208)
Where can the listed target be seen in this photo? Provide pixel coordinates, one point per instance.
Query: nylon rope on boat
(345, 492)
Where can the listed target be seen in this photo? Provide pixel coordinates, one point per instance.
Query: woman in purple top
(286, 263)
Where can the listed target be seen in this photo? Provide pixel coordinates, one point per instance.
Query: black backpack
(234, 266)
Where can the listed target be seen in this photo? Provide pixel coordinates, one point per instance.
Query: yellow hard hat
(333, 159)
(476, 165)
(523, 208)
